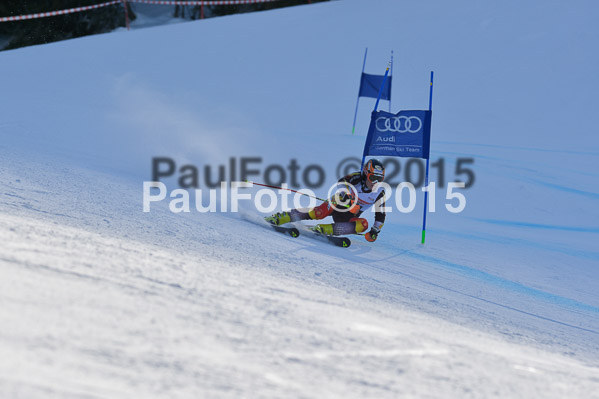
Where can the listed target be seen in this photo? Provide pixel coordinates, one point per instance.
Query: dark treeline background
(217, 11)
(61, 27)
(49, 29)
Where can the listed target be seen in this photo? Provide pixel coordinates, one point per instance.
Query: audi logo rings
(384, 124)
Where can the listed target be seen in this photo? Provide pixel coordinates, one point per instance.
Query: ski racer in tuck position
(346, 207)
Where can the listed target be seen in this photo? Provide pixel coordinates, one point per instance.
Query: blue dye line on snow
(541, 226)
(568, 189)
(507, 284)
(499, 239)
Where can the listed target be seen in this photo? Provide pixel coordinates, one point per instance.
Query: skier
(346, 219)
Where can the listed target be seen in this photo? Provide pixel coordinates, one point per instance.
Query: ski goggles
(375, 178)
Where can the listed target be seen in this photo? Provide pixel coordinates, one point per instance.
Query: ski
(338, 241)
(342, 242)
(292, 231)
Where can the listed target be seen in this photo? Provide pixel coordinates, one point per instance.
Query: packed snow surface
(101, 300)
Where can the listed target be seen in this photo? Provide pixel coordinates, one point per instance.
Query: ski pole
(283, 188)
(294, 191)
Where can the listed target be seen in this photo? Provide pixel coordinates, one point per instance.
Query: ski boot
(324, 229)
(327, 232)
(354, 226)
(278, 218)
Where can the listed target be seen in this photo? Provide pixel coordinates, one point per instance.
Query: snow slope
(102, 300)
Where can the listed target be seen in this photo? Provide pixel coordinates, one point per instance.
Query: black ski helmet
(373, 171)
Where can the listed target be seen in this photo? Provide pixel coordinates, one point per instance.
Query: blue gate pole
(430, 108)
(376, 106)
(353, 129)
(390, 74)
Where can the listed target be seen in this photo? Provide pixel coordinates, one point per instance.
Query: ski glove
(349, 199)
(372, 234)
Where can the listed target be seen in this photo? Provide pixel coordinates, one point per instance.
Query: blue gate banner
(371, 84)
(405, 134)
